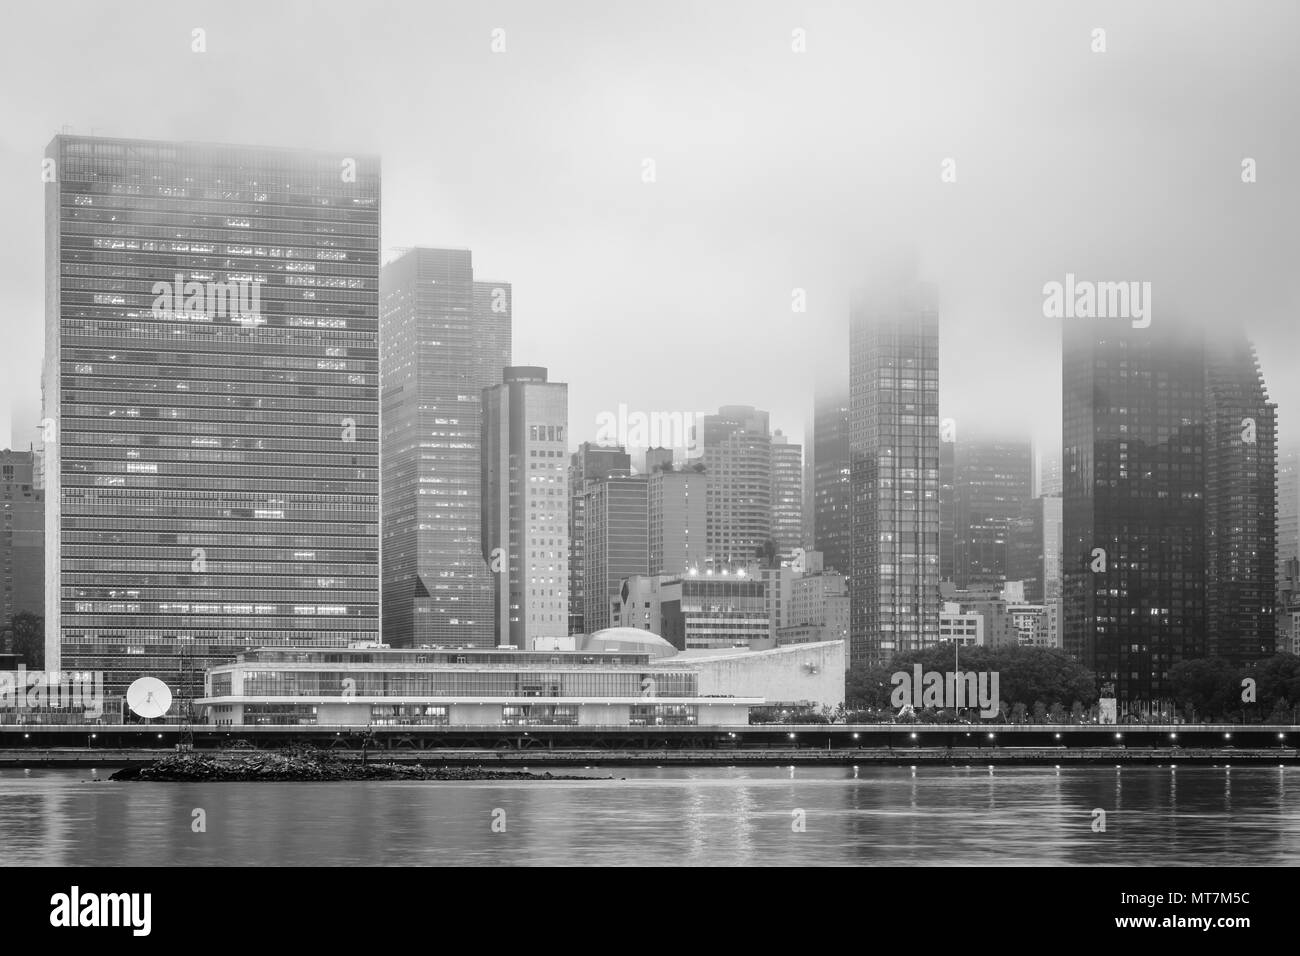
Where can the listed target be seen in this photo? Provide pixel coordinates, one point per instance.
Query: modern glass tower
(894, 443)
(617, 546)
(211, 397)
(444, 338)
(1133, 471)
(1240, 505)
(831, 470)
(992, 483)
(786, 495)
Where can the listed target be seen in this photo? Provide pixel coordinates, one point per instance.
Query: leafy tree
(867, 687)
(27, 638)
(1209, 684)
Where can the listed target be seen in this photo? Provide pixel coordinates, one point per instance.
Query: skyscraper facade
(1240, 505)
(947, 507)
(589, 463)
(738, 470)
(832, 495)
(992, 482)
(894, 443)
(525, 537)
(444, 337)
(211, 396)
(617, 542)
(1133, 471)
(786, 496)
(677, 519)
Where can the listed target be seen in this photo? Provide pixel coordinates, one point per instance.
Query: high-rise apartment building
(444, 337)
(947, 507)
(525, 535)
(738, 470)
(786, 496)
(991, 485)
(894, 441)
(832, 494)
(1169, 509)
(1133, 470)
(615, 514)
(211, 390)
(1240, 505)
(677, 518)
(591, 462)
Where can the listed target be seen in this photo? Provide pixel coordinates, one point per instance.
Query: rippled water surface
(670, 816)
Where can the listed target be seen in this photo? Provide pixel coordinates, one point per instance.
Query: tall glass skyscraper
(1133, 471)
(831, 470)
(1240, 504)
(894, 443)
(211, 401)
(992, 482)
(444, 337)
(1169, 469)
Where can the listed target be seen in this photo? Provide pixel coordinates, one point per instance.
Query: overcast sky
(774, 170)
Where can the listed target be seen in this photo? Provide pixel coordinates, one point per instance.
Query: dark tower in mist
(894, 447)
(444, 338)
(1240, 505)
(992, 482)
(1169, 470)
(832, 492)
(1133, 470)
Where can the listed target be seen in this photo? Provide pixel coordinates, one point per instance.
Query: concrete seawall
(958, 756)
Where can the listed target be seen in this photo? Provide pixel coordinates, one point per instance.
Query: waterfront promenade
(92, 745)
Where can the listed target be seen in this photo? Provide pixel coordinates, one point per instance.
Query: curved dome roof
(630, 640)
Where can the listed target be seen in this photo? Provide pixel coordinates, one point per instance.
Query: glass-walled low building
(623, 678)
(460, 688)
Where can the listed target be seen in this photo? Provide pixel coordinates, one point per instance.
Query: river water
(670, 816)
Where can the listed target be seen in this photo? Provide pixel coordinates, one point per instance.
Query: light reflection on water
(671, 816)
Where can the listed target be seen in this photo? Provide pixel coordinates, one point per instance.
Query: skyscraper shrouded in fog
(832, 493)
(992, 482)
(211, 394)
(444, 337)
(894, 442)
(1166, 503)
(525, 536)
(1240, 504)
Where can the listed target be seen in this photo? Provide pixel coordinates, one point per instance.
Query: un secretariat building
(210, 403)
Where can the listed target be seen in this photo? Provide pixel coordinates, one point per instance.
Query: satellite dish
(148, 697)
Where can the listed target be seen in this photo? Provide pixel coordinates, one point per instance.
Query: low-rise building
(620, 677)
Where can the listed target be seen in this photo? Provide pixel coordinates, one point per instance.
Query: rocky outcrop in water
(304, 767)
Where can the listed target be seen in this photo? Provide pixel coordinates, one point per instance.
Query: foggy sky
(774, 170)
